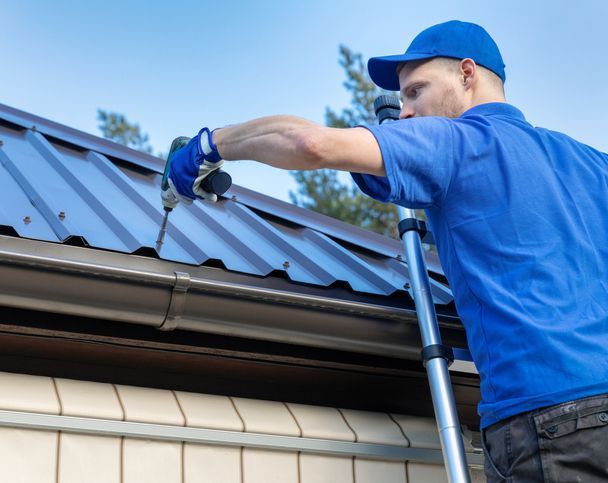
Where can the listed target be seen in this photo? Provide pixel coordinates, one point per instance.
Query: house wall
(41, 456)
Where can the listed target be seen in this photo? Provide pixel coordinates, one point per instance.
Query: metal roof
(65, 186)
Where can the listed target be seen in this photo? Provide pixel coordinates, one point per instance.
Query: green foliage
(322, 191)
(116, 127)
(362, 90)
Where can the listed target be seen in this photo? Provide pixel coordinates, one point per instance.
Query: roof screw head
(399, 257)
(285, 265)
(62, 215)
(233, 198)
(407, 286)
(34, 128)
(27, 220)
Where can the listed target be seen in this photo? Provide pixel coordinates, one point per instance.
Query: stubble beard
(449, 104)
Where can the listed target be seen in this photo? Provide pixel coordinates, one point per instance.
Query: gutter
(84, 282)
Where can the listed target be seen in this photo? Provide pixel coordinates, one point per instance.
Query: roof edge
(80, 138)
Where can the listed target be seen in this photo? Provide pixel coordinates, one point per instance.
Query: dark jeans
(567, 442)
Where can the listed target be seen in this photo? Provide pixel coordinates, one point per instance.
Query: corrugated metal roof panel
(60, 185)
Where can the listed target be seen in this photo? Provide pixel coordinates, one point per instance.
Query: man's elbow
(313, 148)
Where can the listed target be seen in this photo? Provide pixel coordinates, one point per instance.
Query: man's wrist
(207, 147)
(214, 138)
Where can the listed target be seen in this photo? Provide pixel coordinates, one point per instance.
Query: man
(519, 215)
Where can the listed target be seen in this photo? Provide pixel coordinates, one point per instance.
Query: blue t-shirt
(520, 218)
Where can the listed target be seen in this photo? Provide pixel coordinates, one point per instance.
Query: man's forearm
(282, 141)
(290, 142)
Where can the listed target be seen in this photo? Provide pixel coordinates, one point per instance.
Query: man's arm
(290, 142)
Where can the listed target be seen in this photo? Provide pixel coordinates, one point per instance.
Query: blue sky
(176, 67)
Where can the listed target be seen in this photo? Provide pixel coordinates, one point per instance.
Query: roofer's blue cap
(455, 39)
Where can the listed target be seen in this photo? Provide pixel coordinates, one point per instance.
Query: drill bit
(163, 229)
(168, 198)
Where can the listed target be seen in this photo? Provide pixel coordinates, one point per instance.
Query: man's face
(431, 88)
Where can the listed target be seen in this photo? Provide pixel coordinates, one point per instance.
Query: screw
(233, 198)
(399, 257)
(62, 215)
(552, 429)
(34, 128)
(285, 265)
(603, 417)
(27, 220)
(406, 286)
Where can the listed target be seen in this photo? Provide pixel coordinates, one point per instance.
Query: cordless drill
(217, 182)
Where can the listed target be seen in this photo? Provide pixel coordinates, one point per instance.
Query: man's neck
(483, 99)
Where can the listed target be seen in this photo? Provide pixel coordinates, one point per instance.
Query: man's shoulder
(562, 140)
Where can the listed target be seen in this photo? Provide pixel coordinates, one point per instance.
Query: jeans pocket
(573, 440)
(494, 442)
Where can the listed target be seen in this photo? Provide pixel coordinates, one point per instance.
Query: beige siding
(323, 423)
(370, 427)
(89, 458)
(22, 392)
(146, 460)
(88, 399)
(421, 432)
(28, 456)
(478, 476)
(32, 456)
(423, 473)
(326, 469)
(380, 428)
(209, 411)
(266, 466)
(208, 463)
(268, 417)
(368, 471)
(204, 464)
(145, 405)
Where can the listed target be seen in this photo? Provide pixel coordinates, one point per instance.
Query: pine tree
(116, 127)
(322, 191)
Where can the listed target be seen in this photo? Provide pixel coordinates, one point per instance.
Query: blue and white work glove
(190, 165)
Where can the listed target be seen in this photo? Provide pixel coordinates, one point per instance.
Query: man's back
(518, 215)
(527, 255)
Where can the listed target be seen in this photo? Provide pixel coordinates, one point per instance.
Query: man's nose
(406, 112)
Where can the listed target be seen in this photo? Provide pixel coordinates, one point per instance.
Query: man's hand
(191, 165)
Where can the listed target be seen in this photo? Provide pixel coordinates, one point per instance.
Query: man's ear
(468, 72)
